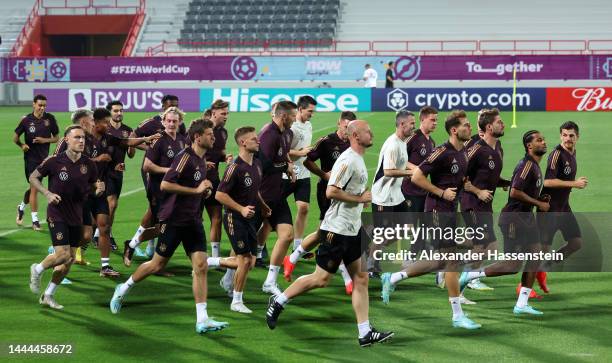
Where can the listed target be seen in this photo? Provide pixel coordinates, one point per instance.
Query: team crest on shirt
(491, 164)
(63, 176)
(83, 169)
(197, 175)
(240, 244)
(162, 228)
(125, 134)
(455, 167)
(170, 153)
(423, 150)
(59, 236)
(47, 123)
(568, 169)
(539, 182)
(335, 155)
(32, 129)
(247, 180)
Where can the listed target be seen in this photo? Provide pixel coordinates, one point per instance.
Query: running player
(181, 221)
(219, 111)
(300, 146)
(275, 142)
(485, 163)
(559, 180)
(239, 193)
(40, 129)
(158, 158)
(71, 177)
(114, 180)
(388, 201)
(446, 167)
(419, 147)
(518, 223)
(150, 127)
(327, 149)
(341, 236)
(101, 146)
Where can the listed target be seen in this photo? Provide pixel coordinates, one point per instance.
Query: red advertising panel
(579, 99)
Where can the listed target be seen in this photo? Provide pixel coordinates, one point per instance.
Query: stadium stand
(14, 15)
(163, 22)
(251, 23)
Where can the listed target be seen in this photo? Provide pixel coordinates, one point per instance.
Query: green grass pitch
(157, 321)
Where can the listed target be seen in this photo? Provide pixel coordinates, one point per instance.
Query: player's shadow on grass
(140, 345)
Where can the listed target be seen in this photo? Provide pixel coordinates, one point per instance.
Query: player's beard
(498, 134)
(540, 152)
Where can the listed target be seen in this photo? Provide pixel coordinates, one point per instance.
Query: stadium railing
(379, 47)
(81, 7)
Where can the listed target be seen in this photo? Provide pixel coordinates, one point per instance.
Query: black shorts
(192, 237)
(441, 221)
(551, 222)
(154, 205)
(281, 214)
(388, 216)
(114, 185)
(242, 233)
(484, 221)
(93, 207)
(336, 248)
(30, 166)
(519, 235)
(212, 201)
(300, 189)
(322, 199)
(65, 235)
(415, 203)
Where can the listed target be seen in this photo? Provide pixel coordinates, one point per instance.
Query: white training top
(386, 190)
(302, 137)
(370, 76)
(350, 174)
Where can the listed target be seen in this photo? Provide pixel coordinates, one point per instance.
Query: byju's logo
(79, 98)
(397, 99)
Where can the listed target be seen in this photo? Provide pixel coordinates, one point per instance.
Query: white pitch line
(24, 228)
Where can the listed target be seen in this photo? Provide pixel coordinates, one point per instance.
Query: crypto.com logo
(397, 99)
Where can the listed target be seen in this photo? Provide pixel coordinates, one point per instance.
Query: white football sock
(213, 261)
(229, 275)
(215, 247)
(282, 299)
(345, 275)
(398, 276)
(296, 243)
(296, 254)
(39, 268)
(97, 233)
(126, 286)
(105, 261)
(22, 206)
(272, 274)
(259, 251)
(523, 297)
(34, 216)
(51, 289)
(237, 297)
(364, 328)
(201, 313)
(473, 275)
(456, 306)
(135, 242)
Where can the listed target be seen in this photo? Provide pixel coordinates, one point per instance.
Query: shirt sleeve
(176, 168)
(46, 166)
(521, 180)
(20, 129)
(432, 162)
(553, 166)
(340, 174)
(153, 152)
(315, 153)
(473, 161)
(93, 175)
(53, 126)
(227, 183)
(144, 129)
(389, 158)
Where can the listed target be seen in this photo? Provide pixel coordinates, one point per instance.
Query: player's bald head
(356, 126)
